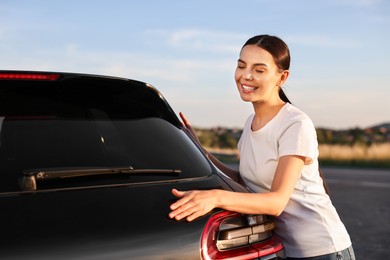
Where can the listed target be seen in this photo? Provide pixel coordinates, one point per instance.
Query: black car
(87, 165)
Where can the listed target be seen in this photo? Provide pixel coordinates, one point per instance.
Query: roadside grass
(372, 156)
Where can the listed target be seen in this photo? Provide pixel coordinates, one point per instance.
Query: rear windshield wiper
(30, 178)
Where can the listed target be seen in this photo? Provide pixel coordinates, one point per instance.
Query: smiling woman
(278, 162)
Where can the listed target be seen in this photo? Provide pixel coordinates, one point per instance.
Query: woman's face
(257, 76)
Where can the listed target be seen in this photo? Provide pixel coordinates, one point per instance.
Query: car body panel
(105, 223)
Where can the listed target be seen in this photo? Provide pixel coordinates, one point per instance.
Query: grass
(373, 156)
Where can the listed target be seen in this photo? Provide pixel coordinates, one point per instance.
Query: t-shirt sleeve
(299, 138)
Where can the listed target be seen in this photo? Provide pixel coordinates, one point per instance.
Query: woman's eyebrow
(256, 64)
(260, 64)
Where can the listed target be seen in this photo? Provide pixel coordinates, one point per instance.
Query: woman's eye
(259, 71)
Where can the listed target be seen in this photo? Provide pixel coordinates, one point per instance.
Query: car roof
(140, 90)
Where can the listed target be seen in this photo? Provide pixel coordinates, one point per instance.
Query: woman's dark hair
(279, 51)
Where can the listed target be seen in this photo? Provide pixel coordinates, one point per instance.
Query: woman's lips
(247, 88)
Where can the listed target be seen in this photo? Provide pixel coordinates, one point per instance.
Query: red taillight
(29, 76)
(230, 235)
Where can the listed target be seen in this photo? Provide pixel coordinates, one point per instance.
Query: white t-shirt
(309, 225)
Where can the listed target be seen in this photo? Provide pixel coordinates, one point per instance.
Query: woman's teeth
(246, 88)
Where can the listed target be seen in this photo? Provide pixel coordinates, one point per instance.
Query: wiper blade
(71, 173)
(30, 178)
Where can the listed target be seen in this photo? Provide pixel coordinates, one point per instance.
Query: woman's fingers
(192, 204)
(187, 124)
(193, 216)
(185, 121)
(188, 128)
(184, 206)
(184, 212)
(178, 193)
(181, 212)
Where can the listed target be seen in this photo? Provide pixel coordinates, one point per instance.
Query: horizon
(387, 124)
(188, 51)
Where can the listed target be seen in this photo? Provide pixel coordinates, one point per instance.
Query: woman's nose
(248, 76)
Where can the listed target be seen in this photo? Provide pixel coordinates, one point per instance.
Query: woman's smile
(248, 89)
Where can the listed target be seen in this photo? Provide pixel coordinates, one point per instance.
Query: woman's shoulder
(295, 114)
(294, 117)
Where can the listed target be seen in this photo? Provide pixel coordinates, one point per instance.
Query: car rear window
(90, 123)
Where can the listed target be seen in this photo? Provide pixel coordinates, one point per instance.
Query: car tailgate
(129, 221)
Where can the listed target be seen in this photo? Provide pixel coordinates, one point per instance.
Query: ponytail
(283, 96)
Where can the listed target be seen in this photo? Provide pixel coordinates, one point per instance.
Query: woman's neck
(265, 112)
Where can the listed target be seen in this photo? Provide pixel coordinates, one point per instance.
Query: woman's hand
(188, 128)
(193, 204)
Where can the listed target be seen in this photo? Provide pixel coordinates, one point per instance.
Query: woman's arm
(193, 204)
(233, 174)
(221, 166)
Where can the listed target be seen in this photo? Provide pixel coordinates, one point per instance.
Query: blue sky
(188, 50)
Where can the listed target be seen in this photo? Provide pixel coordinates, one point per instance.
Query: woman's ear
(283, 77)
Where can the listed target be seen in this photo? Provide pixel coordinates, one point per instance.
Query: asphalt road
(362, 199)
